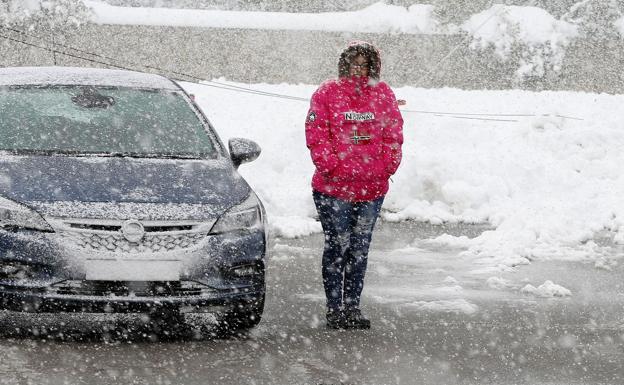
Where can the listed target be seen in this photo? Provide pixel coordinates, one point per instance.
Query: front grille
(107, 235)
(130, 289)
(151, 243)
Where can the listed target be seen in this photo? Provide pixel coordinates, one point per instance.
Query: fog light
(9, 270)
(5, 214)
(17, 270)
(245, 270)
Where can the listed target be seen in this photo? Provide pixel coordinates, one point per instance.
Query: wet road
(435, 321)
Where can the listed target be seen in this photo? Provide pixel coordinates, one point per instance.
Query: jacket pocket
(350, 169)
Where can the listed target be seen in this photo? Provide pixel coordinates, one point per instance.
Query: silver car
(117, 195)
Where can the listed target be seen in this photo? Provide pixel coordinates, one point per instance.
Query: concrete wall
(457, 9)
(310, 57)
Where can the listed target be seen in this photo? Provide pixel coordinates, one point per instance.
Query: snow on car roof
(82, 76)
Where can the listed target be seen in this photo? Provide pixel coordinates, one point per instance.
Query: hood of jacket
(363, 48)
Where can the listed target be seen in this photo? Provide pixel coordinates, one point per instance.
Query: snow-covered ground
(547, 182)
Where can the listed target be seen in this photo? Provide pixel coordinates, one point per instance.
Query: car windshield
(102, 121)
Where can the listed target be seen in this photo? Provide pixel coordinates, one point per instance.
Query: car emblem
(133, 231)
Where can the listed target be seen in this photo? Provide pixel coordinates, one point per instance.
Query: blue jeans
(348, 228)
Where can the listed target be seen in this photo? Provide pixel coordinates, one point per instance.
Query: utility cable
(64, 53)
(473, 114)
(160, 70)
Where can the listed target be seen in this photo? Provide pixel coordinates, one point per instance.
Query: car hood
(48, 183)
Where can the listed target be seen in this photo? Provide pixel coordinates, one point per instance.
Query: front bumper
(127, 297)
(213, 275)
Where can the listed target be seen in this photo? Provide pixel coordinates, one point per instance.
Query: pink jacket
(354, 133)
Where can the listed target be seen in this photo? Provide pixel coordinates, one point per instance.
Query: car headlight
(243, 216)
(13, 214)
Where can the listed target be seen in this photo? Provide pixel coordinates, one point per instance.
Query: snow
(530, 24)
(453, 306)
(498, 283)
(444, 239)
(547, 179)
(437, 299)
(505, 27)
(547, 290)
(450, 280)
(619, 25)
(376, 18)
(122, 210)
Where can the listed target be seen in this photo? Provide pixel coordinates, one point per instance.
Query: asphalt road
(434, 322)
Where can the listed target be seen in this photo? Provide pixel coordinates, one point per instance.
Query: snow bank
(546, 183)
(547, 290)
(531, 25)
(377, 18)
(498, 283)
(619, 25)
(451, 306)
(505, 28)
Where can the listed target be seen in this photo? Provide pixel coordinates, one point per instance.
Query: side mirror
(243, 150)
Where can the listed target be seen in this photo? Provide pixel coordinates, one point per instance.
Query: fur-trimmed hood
(360, 48)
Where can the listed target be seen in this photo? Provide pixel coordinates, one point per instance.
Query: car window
(81, 119)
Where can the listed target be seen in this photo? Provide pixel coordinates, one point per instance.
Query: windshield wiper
(30, 151)
(112, 154)
(143, 155)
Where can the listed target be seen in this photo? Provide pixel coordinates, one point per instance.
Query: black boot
(356, 320)
(336, 319)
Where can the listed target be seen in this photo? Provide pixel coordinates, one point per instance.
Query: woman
(354, 133)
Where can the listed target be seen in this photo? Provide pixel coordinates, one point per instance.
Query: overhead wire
(60, 52)
(474, 114)
(113, 62)
(482, 119)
